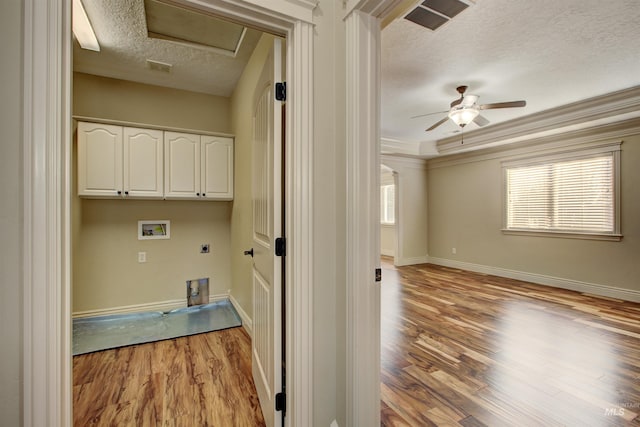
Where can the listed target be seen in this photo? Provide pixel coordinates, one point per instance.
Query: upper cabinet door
(143, 163)
(181, 165)
(99, 160)
(216, 167)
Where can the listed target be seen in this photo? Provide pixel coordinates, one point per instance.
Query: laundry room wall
(107, 276)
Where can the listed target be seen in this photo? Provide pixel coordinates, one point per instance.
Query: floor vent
(432, 14)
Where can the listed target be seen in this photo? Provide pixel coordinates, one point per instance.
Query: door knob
(249, 252)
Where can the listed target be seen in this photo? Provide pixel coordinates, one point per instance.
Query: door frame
(46, 254)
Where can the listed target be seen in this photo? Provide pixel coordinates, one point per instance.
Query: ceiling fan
(465, 110)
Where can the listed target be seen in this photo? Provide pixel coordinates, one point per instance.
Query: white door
(267, 226)
(143, 167)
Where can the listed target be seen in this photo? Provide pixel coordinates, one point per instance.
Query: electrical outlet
(454, 251)
(204, 249)
(142, 257)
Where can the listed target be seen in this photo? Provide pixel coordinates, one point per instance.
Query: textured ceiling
(124, 48)
(548, 52)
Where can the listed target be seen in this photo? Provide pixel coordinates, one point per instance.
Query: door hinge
(281, 246)
(281, 91)
(378, 275)
(281, 402)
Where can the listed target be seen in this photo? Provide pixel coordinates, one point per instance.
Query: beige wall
(103, 97)
(106, 269)
(387, 239)
(466, 213)
(242, 128)
(106, 273)
(11, 215)
(411, 195)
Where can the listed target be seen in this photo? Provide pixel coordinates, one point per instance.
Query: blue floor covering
(104, 332)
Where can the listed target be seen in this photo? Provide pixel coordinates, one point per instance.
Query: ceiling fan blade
(429, 114)
(481, 121)
(503, 105)
(438, 124)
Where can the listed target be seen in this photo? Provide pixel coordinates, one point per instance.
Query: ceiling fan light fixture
(463, 116)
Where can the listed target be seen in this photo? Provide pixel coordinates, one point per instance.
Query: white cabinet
(198, 167)
(181, 165)
(127, 162)
(216, 167)
(116, 161)
(143, 166)
(99, 160)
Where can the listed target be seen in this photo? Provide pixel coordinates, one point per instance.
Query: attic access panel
(433, 14)
(173, 23)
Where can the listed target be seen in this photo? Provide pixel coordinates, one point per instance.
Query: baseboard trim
(400, 262)
(136, 308)
(541, 279)
(247, 324)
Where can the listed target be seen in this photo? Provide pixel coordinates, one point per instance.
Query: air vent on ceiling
(434, 13)
(159, 66)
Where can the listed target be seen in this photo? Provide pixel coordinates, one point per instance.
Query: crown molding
(394, 146)
(592, 112)
(539, 146)
(395, 162)
(301, 10)
(376, 8)
(424, 149)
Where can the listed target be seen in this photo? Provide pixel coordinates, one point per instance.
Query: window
(575, 195)
(387, 204)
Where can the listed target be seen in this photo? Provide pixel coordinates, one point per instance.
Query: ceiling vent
(159, 66)
(433, 14)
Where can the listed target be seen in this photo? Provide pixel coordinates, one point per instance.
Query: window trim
(584, 151)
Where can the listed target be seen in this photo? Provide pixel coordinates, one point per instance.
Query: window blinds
(575, 195)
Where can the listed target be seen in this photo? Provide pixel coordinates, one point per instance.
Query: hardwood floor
(468, 349)
(200, 380)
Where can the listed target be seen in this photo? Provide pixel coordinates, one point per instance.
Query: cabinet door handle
(198, 194)
(126, 192)
(119, 192)
(249, 252)
(203, 194)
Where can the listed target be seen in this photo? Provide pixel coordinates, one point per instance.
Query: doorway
(47, 119)
(104, 224)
